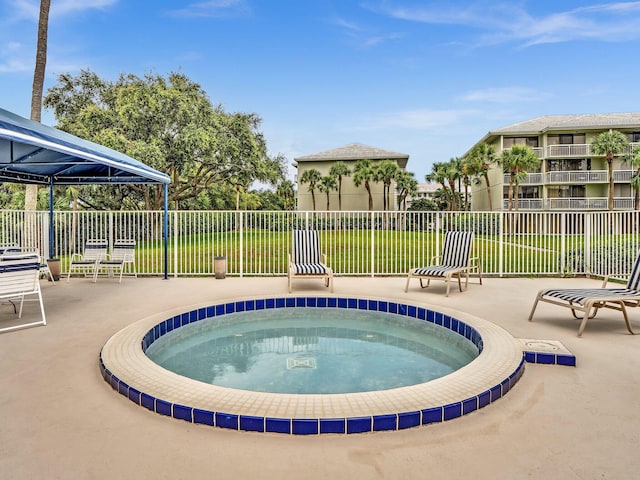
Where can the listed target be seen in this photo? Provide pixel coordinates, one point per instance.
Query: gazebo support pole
(52, 243)
(165, 232)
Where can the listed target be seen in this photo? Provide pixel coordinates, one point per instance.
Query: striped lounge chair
(455, 262)
(94, 250)
(19, 277)
(306, 260)
(590, 300)
(121, 258)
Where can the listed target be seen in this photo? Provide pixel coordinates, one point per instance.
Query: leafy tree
(386, 172)
(312, 177)
(453, 174)
(325, 185)
(339, 170)
(169, 124)
(609, 144)
(480, 159)
(423, 205)
(634, 159)
(517, 161)
(363, 174)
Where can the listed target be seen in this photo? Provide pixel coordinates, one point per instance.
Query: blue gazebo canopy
(31, 152)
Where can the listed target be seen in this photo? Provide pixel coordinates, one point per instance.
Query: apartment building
(570, 177)
(353, 197)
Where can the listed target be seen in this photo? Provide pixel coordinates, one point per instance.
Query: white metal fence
(357, 243)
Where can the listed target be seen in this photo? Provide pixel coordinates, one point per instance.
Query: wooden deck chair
(87, 262)
(19, 277)
(306, 260)
(121, 258)
(454, 262)
(590, 300)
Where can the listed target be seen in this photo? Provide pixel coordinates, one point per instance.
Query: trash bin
(54, 267)
(220, 266)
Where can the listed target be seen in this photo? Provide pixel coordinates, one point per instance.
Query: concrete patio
(61, 420)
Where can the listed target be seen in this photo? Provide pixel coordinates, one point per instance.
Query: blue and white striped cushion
(634, 278)
(456, 249)
(305, 247)
(309, 269)
(579, 295)
(434, 270)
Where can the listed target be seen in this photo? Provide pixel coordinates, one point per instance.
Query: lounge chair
(94, 250)
(11, 251)
(306, 260)
(19, 277)
(121, 258)
(454, 262)
(590, 300)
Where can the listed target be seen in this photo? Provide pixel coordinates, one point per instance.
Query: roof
(355, 151)
(588, 121)
(31, 152)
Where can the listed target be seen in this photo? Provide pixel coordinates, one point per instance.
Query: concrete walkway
(60, 420)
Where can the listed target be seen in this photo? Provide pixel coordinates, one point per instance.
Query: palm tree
(439, 175)
(31, 191)
(339, 170)
(386, 172)
(326, 184)
(364, 173)
(610, 144)
(465, 168)
(406, 185)
(286, 192)
(480, 158)
(312, 177)
(517, 161)
(453, 173)
(634, 159)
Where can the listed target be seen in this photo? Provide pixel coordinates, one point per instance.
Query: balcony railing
(573, 150)
(579, 177)
(562, 204)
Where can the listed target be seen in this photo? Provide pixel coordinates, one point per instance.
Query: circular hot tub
(477, 382)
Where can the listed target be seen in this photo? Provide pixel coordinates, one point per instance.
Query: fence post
(501, 244)
(175, 243)
(373, 251)
(587, 244)
(563, 246)
(241, 231)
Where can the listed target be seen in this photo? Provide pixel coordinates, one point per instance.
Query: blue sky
(425, 78)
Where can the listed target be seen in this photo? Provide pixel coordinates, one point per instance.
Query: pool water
(312, 351)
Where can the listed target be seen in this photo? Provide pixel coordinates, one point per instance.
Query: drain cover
(301, 363)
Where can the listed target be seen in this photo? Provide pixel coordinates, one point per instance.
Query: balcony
(582, 203)
(573, 150)
(580, 177)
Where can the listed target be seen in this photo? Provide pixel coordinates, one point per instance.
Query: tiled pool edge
(320, 425)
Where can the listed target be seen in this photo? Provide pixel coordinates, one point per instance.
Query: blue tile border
(315, 426)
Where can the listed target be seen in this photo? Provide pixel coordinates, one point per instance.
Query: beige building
(353, 198)
(571, 177)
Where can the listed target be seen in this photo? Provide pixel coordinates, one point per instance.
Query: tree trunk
(610, 169)
(340, 193)
(486, 180)
(31, 193)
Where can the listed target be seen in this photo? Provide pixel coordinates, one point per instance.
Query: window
(509, 142)
(634, 137)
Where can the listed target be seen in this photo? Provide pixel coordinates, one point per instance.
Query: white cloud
(505, 22)
(504, 95)
(30, 9)
(213, 8)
